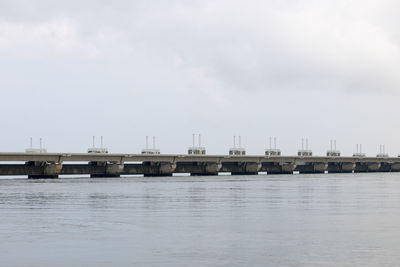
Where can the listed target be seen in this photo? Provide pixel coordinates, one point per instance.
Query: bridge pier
(320, 167)
(367, 167)
(385, 167)
(206, 169)
(158, 169)
(198, 168)
(241, 168)
(374, 166)
(348, 166)
(317, 167)
(278, 168)
(114, 169)
(341, 167)
(43, 170)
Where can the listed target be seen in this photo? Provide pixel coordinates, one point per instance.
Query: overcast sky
(126, 69)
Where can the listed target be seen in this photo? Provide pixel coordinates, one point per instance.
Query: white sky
(126, 69)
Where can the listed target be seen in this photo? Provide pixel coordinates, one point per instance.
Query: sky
(127, 69)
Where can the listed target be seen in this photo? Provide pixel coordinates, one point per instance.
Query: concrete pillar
(44, 170)
(114, 170)
(320, 167)
(203, 168)
(374, 166)
(288, 168)
(334, 167)
(252, 167)
(385, 167)
(52, 169)
(166, 168)
(158, 168)
(316, 167)
(246, 168)
(348, 167)
(341, 167)
(367, 167)
(279, 168)
(361, 167)
(213, 168)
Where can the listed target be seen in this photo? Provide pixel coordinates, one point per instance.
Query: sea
(261, 220)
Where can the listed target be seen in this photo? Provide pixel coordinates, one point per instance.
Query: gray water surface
(289, 220)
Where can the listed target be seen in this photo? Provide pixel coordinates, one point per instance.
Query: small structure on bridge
(272, 151)
(382, 153)
(196, 150)
(31, 149)
(333, 152)
(100, 149)
(151, 151)
(359, 152)
(304, 152)
(237, 151)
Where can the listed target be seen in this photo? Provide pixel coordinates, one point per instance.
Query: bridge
(51, 165)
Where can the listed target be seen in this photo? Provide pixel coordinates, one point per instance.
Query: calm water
(294, 220)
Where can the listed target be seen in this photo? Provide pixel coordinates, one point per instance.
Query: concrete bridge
(51, 165)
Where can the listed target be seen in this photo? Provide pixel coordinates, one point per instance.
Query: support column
(367, 167)
(348, 167)
(288, 168)
(247, 168)
(107, 169)
(279, 168)
(374, 166)
(317, 167)
(114, 169)
(206, 169)
(158, 168)
(320, 167)
(385, 167)
(341, 167)
(43, 170)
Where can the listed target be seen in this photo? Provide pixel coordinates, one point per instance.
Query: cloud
(257, 45)
(209, 63)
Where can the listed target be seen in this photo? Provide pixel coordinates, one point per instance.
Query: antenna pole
(331, 145)
(199, 140)
(360, 148)
(335, 144)
(154, 142)
(193, 139)
(101, 143)
(270, 142)
(40, 144)
(240, 141)
(147, 142)
(306, 143)
(31, 142)
(275, 142)
(234, 141)
(302, 143)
